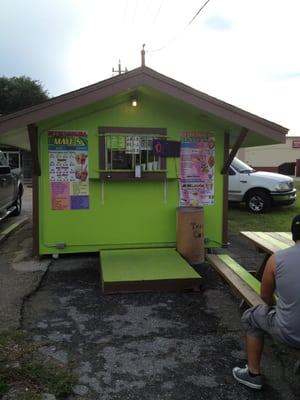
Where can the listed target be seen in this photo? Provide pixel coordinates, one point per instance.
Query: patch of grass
(277, 220)
(22, 369)
(14, 345)
(55, 379)
(3, 386)
(17, 336)
(29, 395)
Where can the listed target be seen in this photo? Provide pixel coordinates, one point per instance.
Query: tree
(20, 92)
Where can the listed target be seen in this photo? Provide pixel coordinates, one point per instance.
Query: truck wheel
(258, 202)
(18, 205)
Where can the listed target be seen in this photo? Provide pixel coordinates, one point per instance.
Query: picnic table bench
(239, 279)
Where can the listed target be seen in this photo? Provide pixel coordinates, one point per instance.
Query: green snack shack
(107, 173)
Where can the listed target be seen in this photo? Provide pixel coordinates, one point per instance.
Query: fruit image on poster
(197, 161)
(68, 170)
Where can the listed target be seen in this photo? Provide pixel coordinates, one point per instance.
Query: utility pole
(143, 56)
(119, 70)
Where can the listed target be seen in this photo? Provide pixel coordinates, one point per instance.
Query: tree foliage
(17, 93)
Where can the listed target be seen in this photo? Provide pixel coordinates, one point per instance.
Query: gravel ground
(154, 345)
(148, 345)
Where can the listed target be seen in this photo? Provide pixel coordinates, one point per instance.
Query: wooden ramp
(143, 270)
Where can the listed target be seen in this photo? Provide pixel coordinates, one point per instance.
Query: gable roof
(142, 76)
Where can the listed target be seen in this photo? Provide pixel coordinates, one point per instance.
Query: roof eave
(129, 81)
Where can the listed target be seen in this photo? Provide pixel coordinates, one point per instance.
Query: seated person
(280, 320)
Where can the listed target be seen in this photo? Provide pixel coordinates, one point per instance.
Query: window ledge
(129, 176)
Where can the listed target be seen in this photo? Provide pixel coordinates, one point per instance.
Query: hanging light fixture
(134, 100)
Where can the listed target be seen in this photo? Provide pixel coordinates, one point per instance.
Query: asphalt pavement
(145, 345)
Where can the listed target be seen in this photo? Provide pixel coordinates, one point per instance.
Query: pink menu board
(197, 163)
(68, 170)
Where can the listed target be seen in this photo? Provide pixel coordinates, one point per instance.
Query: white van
(259, 189)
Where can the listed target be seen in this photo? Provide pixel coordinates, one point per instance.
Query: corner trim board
(36, 172)
(234, 150)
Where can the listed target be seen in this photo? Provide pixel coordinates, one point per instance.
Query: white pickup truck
(259, 189)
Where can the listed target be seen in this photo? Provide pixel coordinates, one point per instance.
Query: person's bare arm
(268, 282)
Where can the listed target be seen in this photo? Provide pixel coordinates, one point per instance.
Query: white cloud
(244, 52)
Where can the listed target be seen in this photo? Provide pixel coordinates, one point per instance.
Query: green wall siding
(125, 214)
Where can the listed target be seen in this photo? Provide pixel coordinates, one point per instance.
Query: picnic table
(243, 282)
(268, 243)
(246, 283)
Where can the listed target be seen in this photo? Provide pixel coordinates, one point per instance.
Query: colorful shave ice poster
(195, 194)
(197, 162)
(68, 170)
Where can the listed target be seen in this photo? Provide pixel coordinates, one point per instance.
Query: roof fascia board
(216, 107)
(70, 95)
(68, 102)
(130, 80)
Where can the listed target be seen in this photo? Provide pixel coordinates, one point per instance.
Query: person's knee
(246, 319)
(249, 323)
(246, 315)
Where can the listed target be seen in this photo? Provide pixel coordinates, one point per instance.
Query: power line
(158, 11)
(125, 10)
(179, 33)
(134, 12)
(197, 13)
(148, 33)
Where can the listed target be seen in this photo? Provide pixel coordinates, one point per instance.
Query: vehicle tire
(258, 201)
(18, 205)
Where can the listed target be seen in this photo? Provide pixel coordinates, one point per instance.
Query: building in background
(280, 158)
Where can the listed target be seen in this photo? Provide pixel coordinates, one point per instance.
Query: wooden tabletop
(269, 242)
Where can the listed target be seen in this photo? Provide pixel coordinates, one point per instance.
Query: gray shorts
(259, 320)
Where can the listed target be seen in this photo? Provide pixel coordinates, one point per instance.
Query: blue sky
(243, 52)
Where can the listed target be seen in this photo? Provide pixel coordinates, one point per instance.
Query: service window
(126, 151)
(122, 150)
